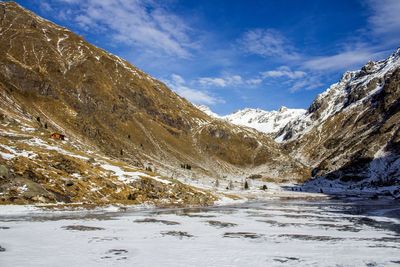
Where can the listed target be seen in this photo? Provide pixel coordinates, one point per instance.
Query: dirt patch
(178, 234)
(249, 235)
(152, 220)
(82, 228)
(220, 224)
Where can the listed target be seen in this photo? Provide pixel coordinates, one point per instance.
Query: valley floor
(267, 233)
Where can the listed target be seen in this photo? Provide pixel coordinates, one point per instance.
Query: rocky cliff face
(351, 131)
(52, 79)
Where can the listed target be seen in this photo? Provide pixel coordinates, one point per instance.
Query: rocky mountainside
(270, 122)
(351, 132)
(52, 80)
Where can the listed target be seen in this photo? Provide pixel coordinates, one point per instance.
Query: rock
(374, 197)
(2, 249)
(41, 199)
(69, 183)
(4, 173)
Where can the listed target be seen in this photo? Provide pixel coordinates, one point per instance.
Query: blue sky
(235, 54)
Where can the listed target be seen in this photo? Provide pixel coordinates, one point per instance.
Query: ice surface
(270, 233)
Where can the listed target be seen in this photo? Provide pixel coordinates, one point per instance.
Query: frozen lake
(269, 233)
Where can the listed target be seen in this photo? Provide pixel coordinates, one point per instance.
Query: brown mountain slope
(54, 78)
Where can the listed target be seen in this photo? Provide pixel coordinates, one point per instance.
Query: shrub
(264, 187)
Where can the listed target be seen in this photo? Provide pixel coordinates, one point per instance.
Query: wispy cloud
(283, 71)
(268, 43)
(254, 81)
(383, 24)
(295, 80)
(231, 80)
(339, 61)
(45, 7)
(139, 23)
(381, 32)
(385, 18)
(308, 83)
(179, 85)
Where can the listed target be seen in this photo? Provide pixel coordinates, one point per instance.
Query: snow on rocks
(13, 152)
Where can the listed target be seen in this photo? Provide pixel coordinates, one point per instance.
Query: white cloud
(231, 80)
(283, 71)
(237, 80)
(178, 84)
(212, 81)
(295, 80)
(254, 81)
(140, 23)
(268, 43)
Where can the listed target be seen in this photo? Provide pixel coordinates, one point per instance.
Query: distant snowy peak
(208, 111)
(264, 121)
(270, 122)
(353, 89)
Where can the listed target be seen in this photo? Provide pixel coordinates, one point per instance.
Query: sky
(235, 54)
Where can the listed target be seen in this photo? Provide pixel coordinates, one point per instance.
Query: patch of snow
(23, 188)
(158, 179)
(208, 111)
(16, 152)
(40, 143)
(123, 176)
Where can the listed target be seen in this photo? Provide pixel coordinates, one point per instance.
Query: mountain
(53, 81)
(351, 132)
(270, 122)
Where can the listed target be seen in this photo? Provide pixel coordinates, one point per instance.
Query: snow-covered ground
(269, 233)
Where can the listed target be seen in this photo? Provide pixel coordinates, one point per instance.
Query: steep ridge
(53, 79)
(351, 131)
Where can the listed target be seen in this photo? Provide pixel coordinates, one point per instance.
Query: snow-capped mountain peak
(270, 122)
(264, 121)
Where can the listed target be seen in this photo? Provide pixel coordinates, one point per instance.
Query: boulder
(4, 172)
